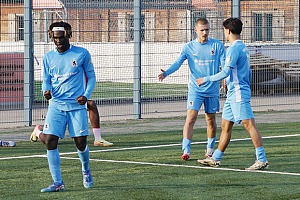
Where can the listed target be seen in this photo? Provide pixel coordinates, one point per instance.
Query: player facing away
(205, 57)
(64, 70)
(237, 108)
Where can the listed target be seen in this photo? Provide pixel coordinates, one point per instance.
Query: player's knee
(81, 146)
(191, 121)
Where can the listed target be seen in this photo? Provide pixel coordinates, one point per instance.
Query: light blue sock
(260, 154)
(54, 165)
(217, 155)
(84, 157)
(211, 142)
(186, 145)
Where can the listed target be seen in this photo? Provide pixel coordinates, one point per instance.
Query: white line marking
(187, 166)
(161, 164)
(31, 156)
(150, 147)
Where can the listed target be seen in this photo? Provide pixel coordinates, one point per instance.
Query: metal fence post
(236, 8)
(28, 63)
(137, 61)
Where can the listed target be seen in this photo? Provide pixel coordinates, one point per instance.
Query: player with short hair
(237, 108)
(64, 70)
(205, 56)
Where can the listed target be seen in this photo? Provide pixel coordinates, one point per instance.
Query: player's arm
(217, 77)
(222, 56)
(230, 62)
(46, 85)
(90, 74)
(174, 67)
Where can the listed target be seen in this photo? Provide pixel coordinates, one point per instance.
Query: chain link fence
(107, 29)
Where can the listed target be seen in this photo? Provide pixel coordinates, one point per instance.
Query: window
(269, 27)
(131, 27)
(258, 27)
(19, 27)
(263, 27)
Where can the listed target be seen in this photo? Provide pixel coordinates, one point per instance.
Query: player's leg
(249, 124)
(194, 102)
(95, 122)
(54, 128)
(227, 124)
(211, 106)
(224, 140)
(211, 133)
(78, 130)
(187, 134)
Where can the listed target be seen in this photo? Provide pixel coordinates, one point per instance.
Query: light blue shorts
(57, 121)
(195, 101)
(237, 111)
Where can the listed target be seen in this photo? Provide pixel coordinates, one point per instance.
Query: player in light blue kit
(64, 71)
(205, 57)
(237, 107)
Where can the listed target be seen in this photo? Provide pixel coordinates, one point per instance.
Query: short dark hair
(201, 21)
(235, 25)
(68, 29)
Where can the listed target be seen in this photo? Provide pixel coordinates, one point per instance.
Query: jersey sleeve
(46, 78)
(222, 55)
(90, 75)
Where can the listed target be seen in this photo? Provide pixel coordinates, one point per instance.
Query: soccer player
(237, 106)
(205, 57)
(64, 70)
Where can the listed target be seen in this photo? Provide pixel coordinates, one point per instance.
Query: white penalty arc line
(187, 166)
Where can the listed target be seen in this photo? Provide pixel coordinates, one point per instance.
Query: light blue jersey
(65, 74)
(238, 72)
(203, 60)
(238, 82)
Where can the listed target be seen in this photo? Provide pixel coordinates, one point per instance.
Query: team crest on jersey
(213, 52)
(191, 103)
(74, 63)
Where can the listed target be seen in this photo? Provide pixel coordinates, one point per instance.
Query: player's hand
(161, 76)
(47, 95)
(200, 81)
(81, 100)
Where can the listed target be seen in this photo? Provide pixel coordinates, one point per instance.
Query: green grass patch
(117, 90)
(126, 172)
